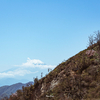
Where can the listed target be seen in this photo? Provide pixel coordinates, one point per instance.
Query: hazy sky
(48, 31)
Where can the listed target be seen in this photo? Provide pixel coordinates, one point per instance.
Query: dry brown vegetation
(77, 78)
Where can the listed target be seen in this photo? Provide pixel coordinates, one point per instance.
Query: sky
(43, 33)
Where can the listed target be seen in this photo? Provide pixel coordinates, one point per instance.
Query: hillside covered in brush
(77, 78)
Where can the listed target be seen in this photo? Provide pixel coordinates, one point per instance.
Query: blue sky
(47, 30)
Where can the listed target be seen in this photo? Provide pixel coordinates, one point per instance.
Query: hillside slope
(75, 79)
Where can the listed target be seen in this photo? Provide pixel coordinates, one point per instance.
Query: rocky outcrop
(54, 83)
(43, 88)
(90, 52)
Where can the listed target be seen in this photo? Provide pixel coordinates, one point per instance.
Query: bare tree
(49, 69)
(41, 74)
(91, 41)
(97, 38)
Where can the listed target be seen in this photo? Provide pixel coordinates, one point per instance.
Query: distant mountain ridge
(10, 81)
(20, 74)
(6, 91)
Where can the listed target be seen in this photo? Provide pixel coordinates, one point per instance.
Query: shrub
(93, 84)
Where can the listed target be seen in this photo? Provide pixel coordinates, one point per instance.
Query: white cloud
(26, 68)
(18, 72)
(2, 75)
(32, 62)
(35, 63)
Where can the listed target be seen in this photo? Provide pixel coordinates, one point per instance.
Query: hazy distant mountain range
(13, 76)
(22, 74)
(9, 81)
(8, 90)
